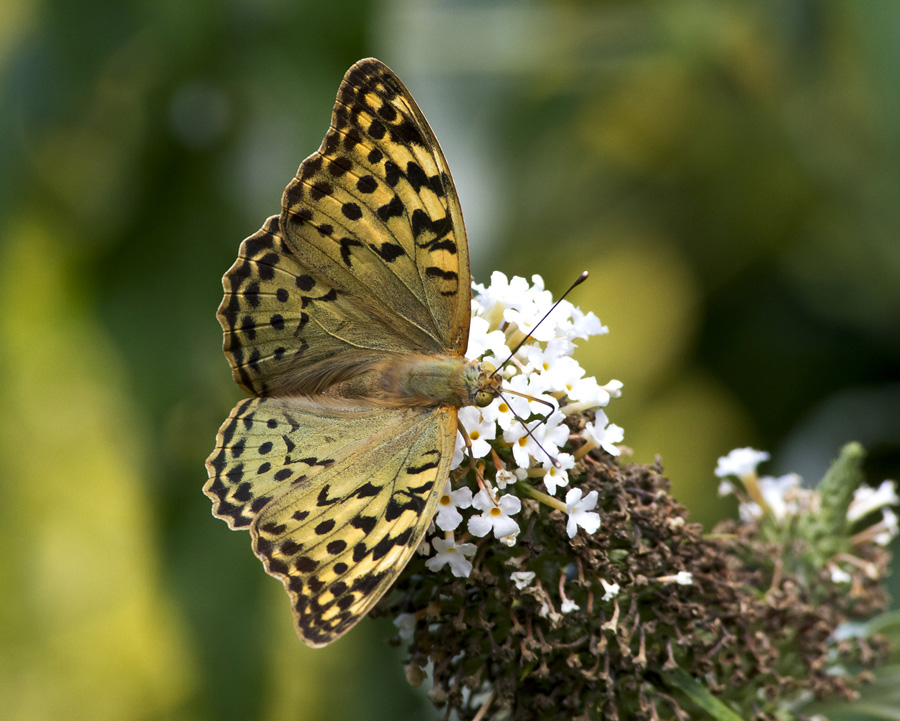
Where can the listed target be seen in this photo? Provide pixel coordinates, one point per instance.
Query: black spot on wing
(304, 564)
(336, 547)
(339, 165)
(388, 251)
(393, 209)
(251, 294)
(366, 184)
(388, 112)
(311, 166)
(351, 211)
(382, 547)
(435, 272)
(346, 245)
(422, 222)
(407, 133)
(364, 523)
(417, 177)
(323, 499)
(392, 173)
(376, 129)
(367, 490)
(290, 547)
(324, 527)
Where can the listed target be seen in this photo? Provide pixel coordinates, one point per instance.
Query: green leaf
(701, 696)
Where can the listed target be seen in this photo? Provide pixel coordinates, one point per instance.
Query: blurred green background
(729, 172)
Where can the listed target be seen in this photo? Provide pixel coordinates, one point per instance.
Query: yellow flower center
(445, 500)
(496, 511)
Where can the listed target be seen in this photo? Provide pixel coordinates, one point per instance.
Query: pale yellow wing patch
(337, 499)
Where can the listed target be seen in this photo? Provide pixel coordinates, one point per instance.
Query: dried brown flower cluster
(647, 618)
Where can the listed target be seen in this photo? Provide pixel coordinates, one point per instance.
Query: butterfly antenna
(553, 408)
(581, 278)
(553, 459)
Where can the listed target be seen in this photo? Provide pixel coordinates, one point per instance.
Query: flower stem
(542, 497)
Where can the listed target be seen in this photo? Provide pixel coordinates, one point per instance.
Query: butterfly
(346, 317)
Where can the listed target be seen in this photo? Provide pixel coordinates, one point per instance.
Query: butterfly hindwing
(337, 499)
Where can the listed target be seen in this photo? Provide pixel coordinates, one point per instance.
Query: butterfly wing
(369, 253)
(337, 499)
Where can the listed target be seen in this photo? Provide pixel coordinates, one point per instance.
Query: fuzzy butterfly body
(347, 317)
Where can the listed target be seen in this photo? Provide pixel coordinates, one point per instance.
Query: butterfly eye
(483, 398)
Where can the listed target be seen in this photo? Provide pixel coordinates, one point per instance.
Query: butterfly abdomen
(413, 381)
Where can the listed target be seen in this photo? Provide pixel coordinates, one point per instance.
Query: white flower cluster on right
(783, 498)
(532, 428)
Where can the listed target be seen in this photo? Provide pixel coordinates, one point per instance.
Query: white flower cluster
(784, 498)
(503, 314)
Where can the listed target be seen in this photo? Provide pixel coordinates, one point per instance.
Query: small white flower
(682, 578)
(522, 579)
(479, 429)
(750, 512)
(459, 452)
(505, 478)
(887, 528)
(603, 433)
(424, 548)
(494, 518)
(585, 325)
(449, 552)
(741, 462)
(776, 492)
(580, 512)
(406, 625)
(556, 372)
(448, 516)
(727, 488)
(839, 575)
(611, 590)
(510, 540)
(550, 435)
(866, 499)
(487, 343)
(567, 605)
(614, 388)
(587, 393)
(558, 477)
(547, 611)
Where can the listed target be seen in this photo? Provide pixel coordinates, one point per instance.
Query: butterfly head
(487, 385)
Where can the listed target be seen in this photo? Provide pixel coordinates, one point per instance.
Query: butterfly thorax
(412, 381)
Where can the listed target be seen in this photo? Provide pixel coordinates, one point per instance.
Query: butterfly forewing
(375, 212)
(337, 499)
(366, 264)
